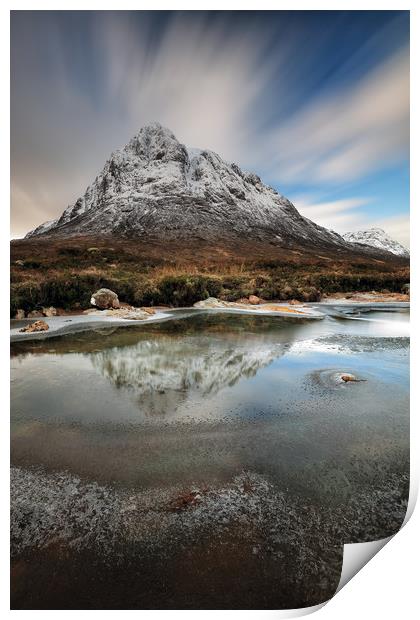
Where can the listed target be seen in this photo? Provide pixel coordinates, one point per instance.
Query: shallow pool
(219, 461)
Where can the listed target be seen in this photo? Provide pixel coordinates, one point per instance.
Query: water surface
(278, 462)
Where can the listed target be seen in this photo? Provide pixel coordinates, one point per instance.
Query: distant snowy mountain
(157, 188)
(377, 238)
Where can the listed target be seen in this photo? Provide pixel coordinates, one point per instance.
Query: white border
(387, 586)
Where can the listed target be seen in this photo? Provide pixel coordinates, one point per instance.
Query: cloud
(201, 80)
(347, 216)
(325, 211)
(216, 86)
(344, 136)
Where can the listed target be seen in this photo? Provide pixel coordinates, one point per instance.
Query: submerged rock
(38, 326)
(348, 377)
(278, 308)
(105, 298)
(333, 379)
(185, 500)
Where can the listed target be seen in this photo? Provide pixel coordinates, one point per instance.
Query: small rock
(34, 314)
(185, 500)
(38, 326)
(254, 300)
(278, 308)
(51, 311)
(105, 298)
(20, 314)
(346, 378)
(134, 314)
(148, 310)
(20, 263)
(211, 302)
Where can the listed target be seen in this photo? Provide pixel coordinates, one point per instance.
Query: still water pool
(212, 461)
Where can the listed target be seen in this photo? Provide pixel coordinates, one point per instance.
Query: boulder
(254, 300)
(34, 314)
(38, 326)
(51, 311)
(105, 298)
(20, 314)
(211, 302)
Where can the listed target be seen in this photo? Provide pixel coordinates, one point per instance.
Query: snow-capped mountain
(156, 187)
(377, 238)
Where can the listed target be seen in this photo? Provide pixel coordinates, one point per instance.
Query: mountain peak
(155, 187)
(154, 142)
(376, 237)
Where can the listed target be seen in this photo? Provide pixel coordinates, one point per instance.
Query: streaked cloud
(349, 134)
(82, 85)
(348, 215)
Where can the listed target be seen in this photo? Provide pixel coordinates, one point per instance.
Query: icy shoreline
(69, 324)
(62, 325)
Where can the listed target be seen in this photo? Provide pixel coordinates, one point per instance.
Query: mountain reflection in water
(164, 371)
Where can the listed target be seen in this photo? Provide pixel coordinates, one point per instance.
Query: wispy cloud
(213, 86)
(361, 128)
(348, 216)
(324, 211)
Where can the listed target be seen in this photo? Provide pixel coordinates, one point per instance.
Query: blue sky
(317, 103)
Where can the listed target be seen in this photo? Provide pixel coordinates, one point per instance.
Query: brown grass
(64, 272)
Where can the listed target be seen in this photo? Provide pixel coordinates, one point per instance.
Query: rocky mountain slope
(156, 187)
(377, 238)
